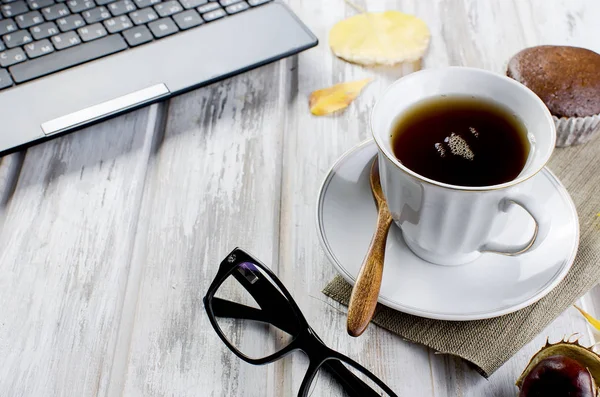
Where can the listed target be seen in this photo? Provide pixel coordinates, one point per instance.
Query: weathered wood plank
(10, 167)
(66, 240)
(213, 184)
(311, 146)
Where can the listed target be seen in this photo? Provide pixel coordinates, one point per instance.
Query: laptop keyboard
(40, 37)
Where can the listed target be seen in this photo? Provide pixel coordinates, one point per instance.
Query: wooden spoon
(366, 288)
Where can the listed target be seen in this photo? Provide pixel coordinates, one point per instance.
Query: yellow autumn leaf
(593, 322)
(334, 98)
(384, 38)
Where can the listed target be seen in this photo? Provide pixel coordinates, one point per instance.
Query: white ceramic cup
(448, 224)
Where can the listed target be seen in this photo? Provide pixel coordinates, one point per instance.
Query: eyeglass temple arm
(352, 384)
(272, 302)
(225, 308)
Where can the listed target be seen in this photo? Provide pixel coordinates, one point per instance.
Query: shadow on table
(115, 143)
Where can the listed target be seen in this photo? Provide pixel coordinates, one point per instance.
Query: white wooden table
(110, 236)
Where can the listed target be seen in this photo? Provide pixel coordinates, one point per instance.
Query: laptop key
(121, 7)
(238, 7)
(7, 26)
(13, 9)
(11, 57)
(80, 5)
(67, 58)
(5, 80)
(188, 19)
(30, 19)
(138, 35)
(255, 3)
(44, 30)
(163, 27)
(216, 14)
(56, 11)
(168, 8)
(208, 7)
(141, 17)
(188, 4)
(37, 4)
(145, 3)
(225, 3)
(96, 14)
(118, 24)
(65, 40)
(17, 38)
(70, 23)
(38, 48)
(92, 32)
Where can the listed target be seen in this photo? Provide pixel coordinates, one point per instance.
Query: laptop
(65, 64)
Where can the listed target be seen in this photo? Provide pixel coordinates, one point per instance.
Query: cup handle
(542, 226)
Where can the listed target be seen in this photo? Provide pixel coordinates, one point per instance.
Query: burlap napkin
(490, 343)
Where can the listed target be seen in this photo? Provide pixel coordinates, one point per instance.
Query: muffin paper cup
(575, 130)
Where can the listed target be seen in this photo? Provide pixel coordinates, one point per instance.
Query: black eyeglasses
(257, 318)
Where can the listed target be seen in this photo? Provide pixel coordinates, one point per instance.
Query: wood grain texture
(66, 235)
(213, 184)
(110, 236)
(311, 146)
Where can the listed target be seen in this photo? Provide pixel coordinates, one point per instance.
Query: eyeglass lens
(252, 313)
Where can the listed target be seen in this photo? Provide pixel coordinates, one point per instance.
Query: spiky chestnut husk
(561, 369)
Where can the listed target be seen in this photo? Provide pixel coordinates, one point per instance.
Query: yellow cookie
(380, 38)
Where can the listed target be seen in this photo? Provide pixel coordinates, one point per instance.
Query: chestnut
(558, 376)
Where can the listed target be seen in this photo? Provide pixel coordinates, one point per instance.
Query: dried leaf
(593, 322)
(334, 98)
(383, 38)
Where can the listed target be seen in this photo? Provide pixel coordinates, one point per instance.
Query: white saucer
(491, 286)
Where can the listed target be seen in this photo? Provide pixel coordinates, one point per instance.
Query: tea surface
(461, 141)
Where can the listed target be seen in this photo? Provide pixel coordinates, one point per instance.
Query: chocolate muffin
(567, 79)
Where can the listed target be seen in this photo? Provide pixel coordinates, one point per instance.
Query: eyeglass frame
(305, 340)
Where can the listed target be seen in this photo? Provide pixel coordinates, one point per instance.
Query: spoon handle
(366, 288)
